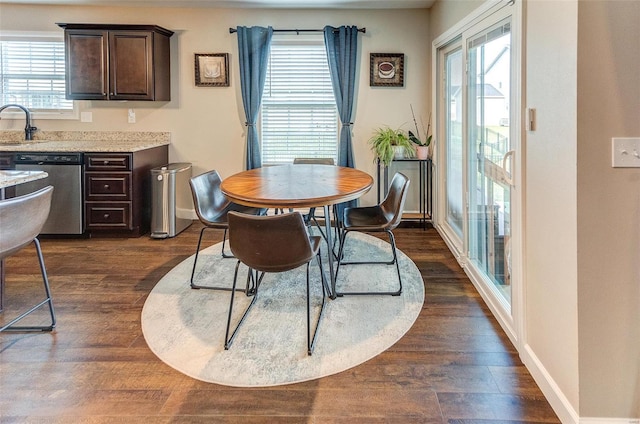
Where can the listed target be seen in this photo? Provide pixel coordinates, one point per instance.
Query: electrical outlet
(132, 116)
(86, 116)
(625, 152)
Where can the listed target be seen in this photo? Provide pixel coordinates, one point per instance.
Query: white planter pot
(398, 152)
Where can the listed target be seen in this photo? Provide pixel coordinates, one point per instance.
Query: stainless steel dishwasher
(65, 175)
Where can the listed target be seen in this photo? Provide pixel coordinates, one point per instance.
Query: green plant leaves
(383, 142)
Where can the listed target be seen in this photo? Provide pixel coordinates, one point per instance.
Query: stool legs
(11, 327)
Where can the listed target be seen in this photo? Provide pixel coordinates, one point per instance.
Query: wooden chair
(21, 220)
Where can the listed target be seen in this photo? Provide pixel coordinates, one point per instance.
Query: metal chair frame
(213, 178)
(10, 327)
(399, 186)
(256, 276)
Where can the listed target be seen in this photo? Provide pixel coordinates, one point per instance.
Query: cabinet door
(86, 76)
(131, 65)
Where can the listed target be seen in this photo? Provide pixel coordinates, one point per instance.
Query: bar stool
(21, 220)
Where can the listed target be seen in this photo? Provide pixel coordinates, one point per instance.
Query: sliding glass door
(489, 143)
(454, 147)
(478, 104)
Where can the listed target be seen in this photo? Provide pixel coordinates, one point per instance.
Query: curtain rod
(298, 31)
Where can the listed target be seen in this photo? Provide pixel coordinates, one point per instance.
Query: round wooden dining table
(299, 186)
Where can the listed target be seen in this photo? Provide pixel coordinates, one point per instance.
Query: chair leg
(392, 241)
(229, 340)
(10, 327)
(311, 340)
(195, 261)
(224, 240)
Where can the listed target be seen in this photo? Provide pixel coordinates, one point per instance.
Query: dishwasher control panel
(49, 158)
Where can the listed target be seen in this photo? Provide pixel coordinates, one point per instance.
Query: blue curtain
(253, 52)
(342, 54)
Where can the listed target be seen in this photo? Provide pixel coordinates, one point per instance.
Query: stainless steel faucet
(28, 129)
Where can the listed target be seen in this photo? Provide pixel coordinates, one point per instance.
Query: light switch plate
(532, 124)
(625, 152)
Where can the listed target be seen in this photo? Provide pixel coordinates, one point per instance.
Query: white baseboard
(558, 401)
(588, 420)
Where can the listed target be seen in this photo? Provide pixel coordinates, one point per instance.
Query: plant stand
(425, 186)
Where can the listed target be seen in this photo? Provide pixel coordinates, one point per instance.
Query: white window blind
(32, 74)
(299, 116)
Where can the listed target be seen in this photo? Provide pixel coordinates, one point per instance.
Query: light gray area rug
(185, 327)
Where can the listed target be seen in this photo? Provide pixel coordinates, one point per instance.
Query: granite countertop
(11, 178)
(82, 141)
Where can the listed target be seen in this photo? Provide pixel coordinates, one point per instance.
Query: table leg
(328, 230)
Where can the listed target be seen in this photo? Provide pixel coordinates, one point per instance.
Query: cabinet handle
(106, 186)
(106, 215)
(106, 162)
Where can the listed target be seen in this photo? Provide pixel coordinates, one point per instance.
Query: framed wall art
(212, 69)
(386, 70)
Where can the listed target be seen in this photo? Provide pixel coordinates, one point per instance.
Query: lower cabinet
(118, 191)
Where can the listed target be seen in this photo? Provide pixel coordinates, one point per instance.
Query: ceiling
(293, 4)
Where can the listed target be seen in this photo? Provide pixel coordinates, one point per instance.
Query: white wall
(206, 123)
(551, 193)
(608, 209)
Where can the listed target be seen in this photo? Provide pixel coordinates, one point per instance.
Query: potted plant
(388, 143)
(422, 146)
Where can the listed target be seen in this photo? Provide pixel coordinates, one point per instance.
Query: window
(32, 74)
(299, 115)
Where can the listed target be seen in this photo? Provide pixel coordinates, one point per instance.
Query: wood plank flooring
(454, 366)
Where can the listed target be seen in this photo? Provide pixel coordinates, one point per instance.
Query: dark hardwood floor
(454, 366)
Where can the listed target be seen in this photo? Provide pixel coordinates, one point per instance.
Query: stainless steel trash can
(167, 182)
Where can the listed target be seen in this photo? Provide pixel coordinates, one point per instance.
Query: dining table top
(296, 186)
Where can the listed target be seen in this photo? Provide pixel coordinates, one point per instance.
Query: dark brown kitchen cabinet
(117, 198)
(117, 62)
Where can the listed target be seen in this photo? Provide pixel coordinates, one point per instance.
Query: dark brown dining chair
(383, 217)
(252, 240)
(21, 220)
(212, 206)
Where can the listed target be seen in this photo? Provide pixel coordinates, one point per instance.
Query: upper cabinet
(117, 62)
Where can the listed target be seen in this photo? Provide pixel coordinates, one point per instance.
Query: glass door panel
(489, 147)
(454, 211)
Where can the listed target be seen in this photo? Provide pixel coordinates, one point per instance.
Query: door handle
(507, 174)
